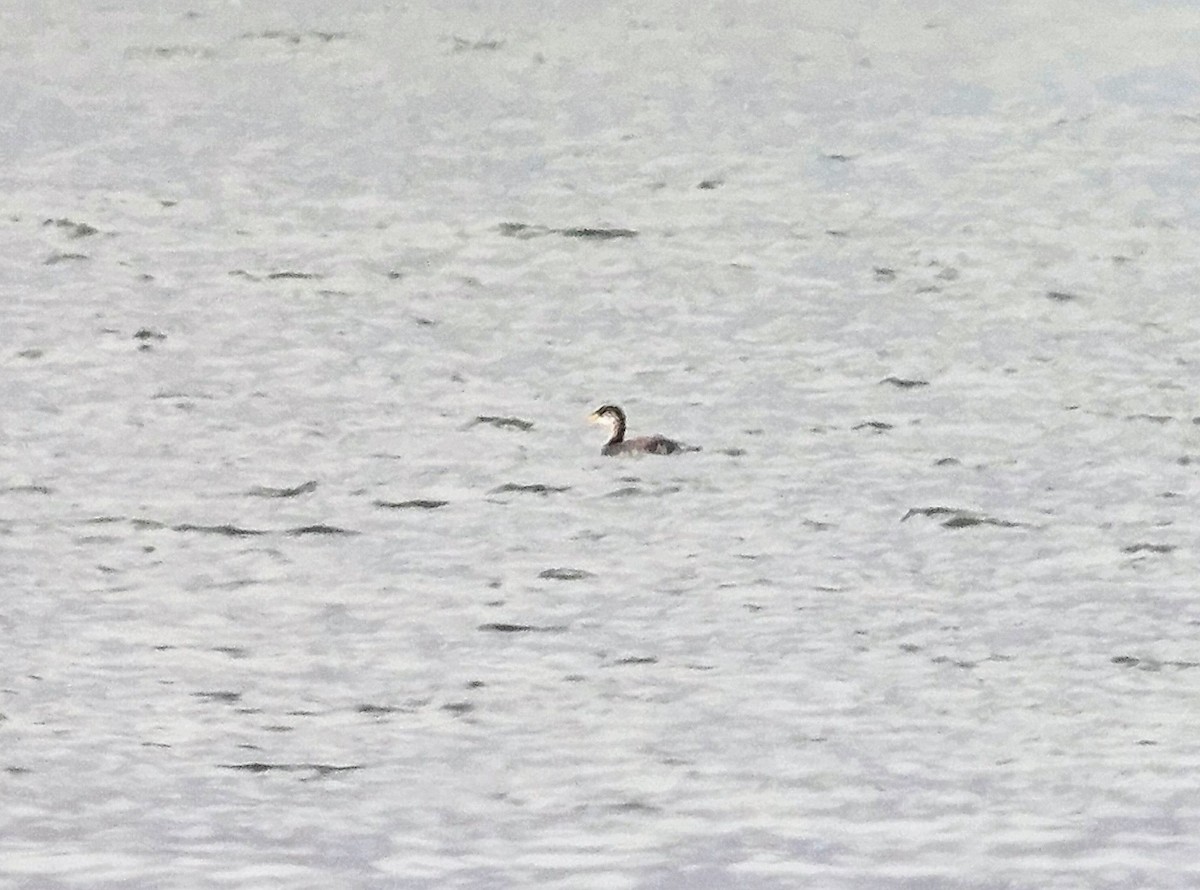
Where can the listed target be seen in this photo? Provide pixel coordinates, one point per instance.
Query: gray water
(314, 575)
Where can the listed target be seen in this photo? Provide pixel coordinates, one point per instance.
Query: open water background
(313, 575)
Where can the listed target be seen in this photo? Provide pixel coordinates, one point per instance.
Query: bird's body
(618, 444)
(642, 445)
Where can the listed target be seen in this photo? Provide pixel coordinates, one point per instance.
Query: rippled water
(314, 574)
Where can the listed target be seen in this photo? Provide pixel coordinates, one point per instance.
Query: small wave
(321, 769)
(319, 529)
(510, 423)
(525, 231)
(414, 504)
(535, 488)
(1143, 547)
(229, 531)
(959, 518)
(563, 574)
(265, 491)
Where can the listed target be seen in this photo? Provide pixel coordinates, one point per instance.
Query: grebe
(618, 444)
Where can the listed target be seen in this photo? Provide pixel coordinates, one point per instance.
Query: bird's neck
(618, 431)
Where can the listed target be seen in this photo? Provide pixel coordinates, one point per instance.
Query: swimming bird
(618, 444)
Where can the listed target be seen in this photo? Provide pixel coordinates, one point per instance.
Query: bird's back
(645, 445)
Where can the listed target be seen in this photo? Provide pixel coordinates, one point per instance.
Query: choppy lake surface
(314, 575)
